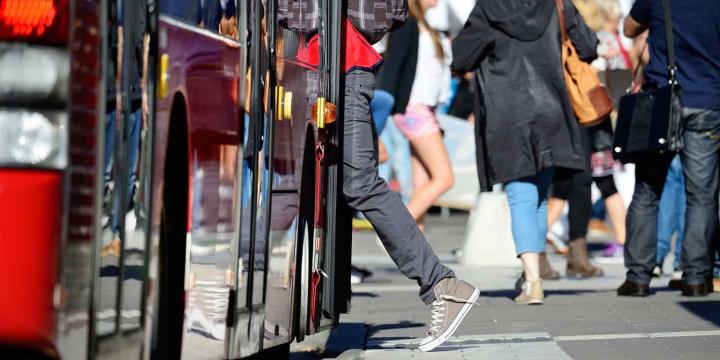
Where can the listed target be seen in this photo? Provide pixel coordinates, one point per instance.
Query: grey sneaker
(454, 299)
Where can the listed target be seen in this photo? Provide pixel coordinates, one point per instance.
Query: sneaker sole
(453, 326)
(530, 302)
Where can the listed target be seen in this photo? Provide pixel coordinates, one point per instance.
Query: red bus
(169, 179)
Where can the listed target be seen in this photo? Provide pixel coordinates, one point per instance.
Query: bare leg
(555, 208)
(531, 266)
(420, 179)
(616, 211)
(432, 155)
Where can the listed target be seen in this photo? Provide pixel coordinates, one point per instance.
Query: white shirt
(432, 75)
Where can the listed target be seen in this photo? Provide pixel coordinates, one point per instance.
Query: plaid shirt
(299, 15)
(372, 18)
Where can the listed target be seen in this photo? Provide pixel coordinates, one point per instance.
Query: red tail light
(40, 21)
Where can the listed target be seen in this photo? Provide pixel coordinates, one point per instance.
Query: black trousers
(577, 192)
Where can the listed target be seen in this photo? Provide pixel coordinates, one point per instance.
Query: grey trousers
(367, 192)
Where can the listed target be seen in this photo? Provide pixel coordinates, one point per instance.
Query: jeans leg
(381, 107)
(133, 151)
(668, 212)
(401, 160)
(365, 191)
(109, 146)
(700, 162)
(545, 178)
(681, 209)
(642, 217)
(527, 199)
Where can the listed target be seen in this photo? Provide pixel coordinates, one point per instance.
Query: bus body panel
(290, 138)
(30, 229)
(204, 72)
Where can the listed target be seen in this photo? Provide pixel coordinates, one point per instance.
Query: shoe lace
(437, 314)
(437, 311)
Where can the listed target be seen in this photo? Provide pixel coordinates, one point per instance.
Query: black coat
(524, 120)
(397, 73)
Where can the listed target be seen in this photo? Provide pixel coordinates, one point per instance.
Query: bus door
(338, 244)
(282, 225)
(122, 244)
(301, 152)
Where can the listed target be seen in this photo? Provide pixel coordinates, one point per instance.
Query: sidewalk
(581, 319)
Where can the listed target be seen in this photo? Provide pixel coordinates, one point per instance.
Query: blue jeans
(381, 105)
(527, 199)
(398, 166)
(700, 159)
(671, 215)
(133, 149)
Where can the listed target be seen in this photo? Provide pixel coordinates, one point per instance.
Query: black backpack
(372, 18)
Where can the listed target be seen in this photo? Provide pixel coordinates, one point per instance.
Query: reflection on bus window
(219, 16)
(125, 123)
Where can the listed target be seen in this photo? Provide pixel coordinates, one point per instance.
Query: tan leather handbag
(589, 99)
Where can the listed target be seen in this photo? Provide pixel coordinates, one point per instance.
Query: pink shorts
(418, 120)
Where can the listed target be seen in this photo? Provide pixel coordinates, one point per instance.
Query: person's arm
(583, 38)
(632, 28)
(144, 78)
(473, 43)
(118, 69)
(398, 48)
(638, 20)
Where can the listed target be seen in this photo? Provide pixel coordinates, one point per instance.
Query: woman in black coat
(525, 129)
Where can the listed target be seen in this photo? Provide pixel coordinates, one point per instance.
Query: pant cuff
(639, 279)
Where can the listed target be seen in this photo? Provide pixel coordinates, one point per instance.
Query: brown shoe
(629, 288)
(696, 290)
(546, 270)
(532, 294)
(578, 264)
(111, 249)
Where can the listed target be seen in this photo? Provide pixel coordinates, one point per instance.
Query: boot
(546, 271)
(578, 264)
(531, 294)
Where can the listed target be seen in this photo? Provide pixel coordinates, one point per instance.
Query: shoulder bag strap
(561, 17)
(669, 41)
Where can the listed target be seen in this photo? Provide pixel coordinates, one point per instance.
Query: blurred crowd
(561, 179)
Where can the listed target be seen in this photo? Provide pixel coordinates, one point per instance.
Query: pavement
(581, 319)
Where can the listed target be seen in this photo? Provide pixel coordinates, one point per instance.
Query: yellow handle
(287, 106)
(320, 115)
(163, 74)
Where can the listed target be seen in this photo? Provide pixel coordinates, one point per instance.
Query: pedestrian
(450, 299)
(612, 54)
(576, 190)
(417, 74)
(525, 127)
(697, 59)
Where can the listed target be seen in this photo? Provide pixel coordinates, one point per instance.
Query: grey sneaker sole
(425, 347)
